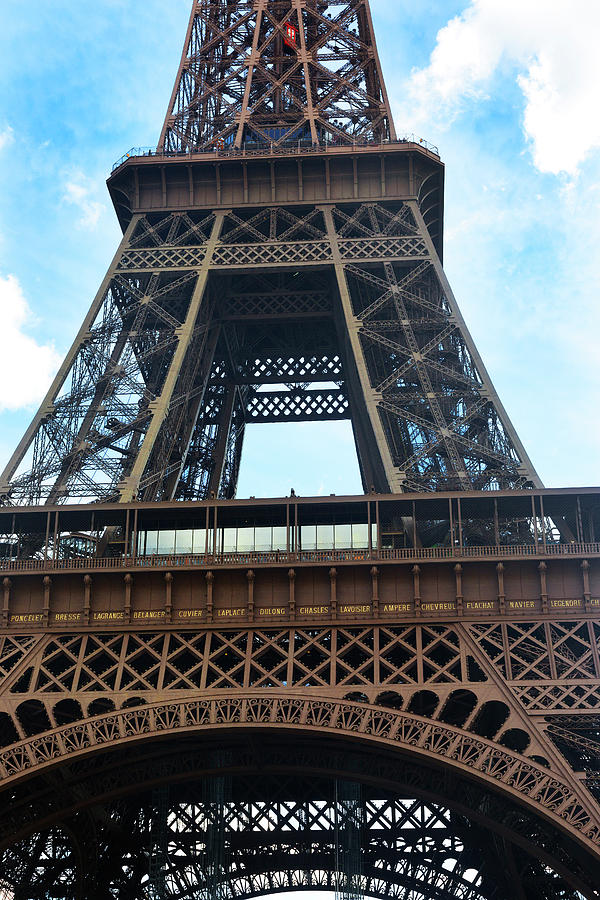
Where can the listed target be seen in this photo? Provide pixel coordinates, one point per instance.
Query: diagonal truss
(211, 317)
(285, 837)
(208, 322)
(441, 688)
(278, 72)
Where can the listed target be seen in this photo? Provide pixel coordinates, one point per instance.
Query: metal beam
(160, 407)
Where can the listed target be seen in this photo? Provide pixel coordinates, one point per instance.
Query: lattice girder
(448, 679)
(286, 842)
(280, 263)
(200, 310)
(400, 836)
(458, 693)
(278, 73)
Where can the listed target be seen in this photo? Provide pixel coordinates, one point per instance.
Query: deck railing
(283, 557)
(256, 149)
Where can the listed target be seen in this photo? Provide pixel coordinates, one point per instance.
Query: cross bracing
(281, 262)
(278, 73)
(221, 824)
(209, 322)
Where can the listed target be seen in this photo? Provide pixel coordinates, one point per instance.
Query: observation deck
(306, 560)
(146, 180)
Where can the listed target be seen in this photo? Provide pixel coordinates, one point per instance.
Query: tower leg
(222, 442)
(161, 406)
(381, 466)
(182, 431)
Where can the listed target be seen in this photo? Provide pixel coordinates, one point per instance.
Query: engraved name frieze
(397, 607)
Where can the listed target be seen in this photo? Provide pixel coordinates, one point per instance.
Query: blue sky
(505, 88)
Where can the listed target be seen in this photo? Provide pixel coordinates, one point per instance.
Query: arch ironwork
(267, 753)
(540, 789)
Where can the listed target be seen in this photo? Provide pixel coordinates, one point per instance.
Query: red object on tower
(290, 36)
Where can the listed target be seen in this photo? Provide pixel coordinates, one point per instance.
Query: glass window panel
(360, 536)
(229, 540)
(10, 545)
(263, 537)
(279, 537)
(184, 541)
(245, 540)
(166, 541)
(343, 536)
(149, 546)
(199, 540)
(324, 537)
(374, 536)
(308, 537)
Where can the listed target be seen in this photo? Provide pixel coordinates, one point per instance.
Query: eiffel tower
(393, 695)
(280, 263)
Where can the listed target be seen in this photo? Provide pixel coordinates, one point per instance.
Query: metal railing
(260, 149)
(284, 557)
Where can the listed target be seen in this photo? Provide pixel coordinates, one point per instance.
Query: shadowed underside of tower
(280, 263)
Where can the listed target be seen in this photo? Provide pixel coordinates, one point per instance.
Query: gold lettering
(107, 616)
(148, 614)
(272, 611)
(313, 610)
(564, 603)
(355, 609)
(480, 604)
(439, 607)
(521, 604)
(230, 613)
(396, 607)
(67, 617)
(29, 618)
(190, 613)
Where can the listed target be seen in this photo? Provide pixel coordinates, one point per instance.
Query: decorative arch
(542, 791)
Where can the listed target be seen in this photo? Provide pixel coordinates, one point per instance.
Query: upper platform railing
(310, 557)
(260, 149)
(293, 530)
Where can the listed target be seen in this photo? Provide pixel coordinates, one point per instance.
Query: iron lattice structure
(242, 293)
(291, 70)
(210, 321)
(285, 836)
(414, 717)
(376, 771)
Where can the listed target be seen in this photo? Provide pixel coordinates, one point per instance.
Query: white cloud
(523, 265)
(79, 192)
(7, 137)
(26, 367)
(549, 46)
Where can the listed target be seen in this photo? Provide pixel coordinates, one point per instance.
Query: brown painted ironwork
(393, 695)
(277, 72)
(458, 683)
(200, 311)
(282, 234)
